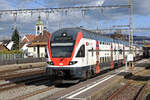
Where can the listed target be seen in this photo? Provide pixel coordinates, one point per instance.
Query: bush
(11, 52)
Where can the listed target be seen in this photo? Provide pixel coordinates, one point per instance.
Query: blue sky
(104, 18)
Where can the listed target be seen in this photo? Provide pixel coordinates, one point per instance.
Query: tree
(15, 39)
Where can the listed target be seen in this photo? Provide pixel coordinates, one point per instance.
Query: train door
(89, 53)
(97, 57)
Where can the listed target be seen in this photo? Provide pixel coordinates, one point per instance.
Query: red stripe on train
(97, 58)
(112, 62)
(49, 46)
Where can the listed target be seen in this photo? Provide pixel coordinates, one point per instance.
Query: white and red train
(75, 53)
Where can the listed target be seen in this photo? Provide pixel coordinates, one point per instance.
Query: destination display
(62, 44)
(63, 38)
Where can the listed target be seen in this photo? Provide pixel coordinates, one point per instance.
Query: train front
(61, 63)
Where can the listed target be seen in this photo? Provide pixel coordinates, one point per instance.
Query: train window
(81, 52)
(101, 59)
(115, 51)
(120, 51)
(107, 59)
(92, 52)
(104, 60)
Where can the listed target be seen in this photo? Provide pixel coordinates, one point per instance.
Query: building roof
(2, 47)
(30, 37)
(21, 44)
(41, 39)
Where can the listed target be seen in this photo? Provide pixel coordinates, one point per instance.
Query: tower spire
(39, 26)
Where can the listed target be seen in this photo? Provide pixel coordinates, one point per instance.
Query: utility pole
(47, 18)
(130, 3)
(15, 20)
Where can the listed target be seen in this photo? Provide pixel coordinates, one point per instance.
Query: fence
(6, 59)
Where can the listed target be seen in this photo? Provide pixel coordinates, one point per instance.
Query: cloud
(26, 22)
(140, 7)
(5, 5)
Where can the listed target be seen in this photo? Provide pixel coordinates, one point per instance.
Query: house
(27, 39)
(8, 44)
(37, 47)
(3, 47)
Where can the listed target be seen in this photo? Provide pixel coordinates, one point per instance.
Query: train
(78, 54)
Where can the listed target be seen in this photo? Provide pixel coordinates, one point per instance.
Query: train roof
(90, 35)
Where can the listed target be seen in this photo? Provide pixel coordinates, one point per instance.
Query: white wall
(42, 51)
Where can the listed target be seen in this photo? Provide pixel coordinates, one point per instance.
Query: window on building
(38, 28)
(34, 49)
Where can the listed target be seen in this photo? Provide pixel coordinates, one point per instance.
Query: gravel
(10, 94)
(45, 94)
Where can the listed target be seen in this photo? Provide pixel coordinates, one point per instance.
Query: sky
(101, 18)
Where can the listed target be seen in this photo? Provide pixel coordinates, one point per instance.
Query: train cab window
(81, 52)
(120, 51)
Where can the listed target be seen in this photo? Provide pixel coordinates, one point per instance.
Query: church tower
(39, 26)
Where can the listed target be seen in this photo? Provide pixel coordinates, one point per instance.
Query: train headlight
(50, 63)
(72, 62)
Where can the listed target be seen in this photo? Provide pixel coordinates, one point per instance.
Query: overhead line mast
(130, 3)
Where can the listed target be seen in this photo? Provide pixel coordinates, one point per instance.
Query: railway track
(23, 74)
(19, 69)
(34, 93)
(129, 92)
(141, 92)
(133, 90)
(24, 82)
